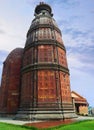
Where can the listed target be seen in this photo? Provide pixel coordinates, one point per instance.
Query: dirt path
(47, 124)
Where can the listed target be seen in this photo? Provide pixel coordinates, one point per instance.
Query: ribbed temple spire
(45, 86)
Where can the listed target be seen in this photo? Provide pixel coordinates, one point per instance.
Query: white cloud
(14, 35)
(74, 62)
(82, 83)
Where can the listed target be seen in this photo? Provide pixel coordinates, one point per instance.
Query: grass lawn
(5, 126)
(81, 125)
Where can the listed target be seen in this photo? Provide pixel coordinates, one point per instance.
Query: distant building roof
(78, 98)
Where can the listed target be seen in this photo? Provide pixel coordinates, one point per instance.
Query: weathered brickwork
(39, 72)
(27, 90)
(46, 86)
(45, 76)
(10, 85)
(45, 53)
(62, 57)
(65, 87)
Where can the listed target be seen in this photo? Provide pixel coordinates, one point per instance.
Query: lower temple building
(80, 104)
(35, 79)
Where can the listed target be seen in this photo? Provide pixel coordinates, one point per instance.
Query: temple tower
(45, 83)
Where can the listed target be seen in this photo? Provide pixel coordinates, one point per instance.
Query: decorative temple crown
(43, 6)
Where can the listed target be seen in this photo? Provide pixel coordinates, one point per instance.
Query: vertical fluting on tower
(45, 84)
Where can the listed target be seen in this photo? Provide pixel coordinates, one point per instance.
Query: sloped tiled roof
(78, 98)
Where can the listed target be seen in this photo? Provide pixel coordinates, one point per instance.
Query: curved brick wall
(45, 86)
(10, 85)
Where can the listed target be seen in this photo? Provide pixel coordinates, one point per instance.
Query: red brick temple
(35, 80)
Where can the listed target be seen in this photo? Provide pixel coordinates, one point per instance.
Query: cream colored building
(80, 103)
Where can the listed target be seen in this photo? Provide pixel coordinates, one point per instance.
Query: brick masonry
(10, 85)
(36, 79)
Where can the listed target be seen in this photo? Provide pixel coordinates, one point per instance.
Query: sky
(75, 19)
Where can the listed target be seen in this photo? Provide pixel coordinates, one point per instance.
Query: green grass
(81, 125)
(5, 126)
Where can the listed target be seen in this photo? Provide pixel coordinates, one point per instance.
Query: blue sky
(76, 21)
